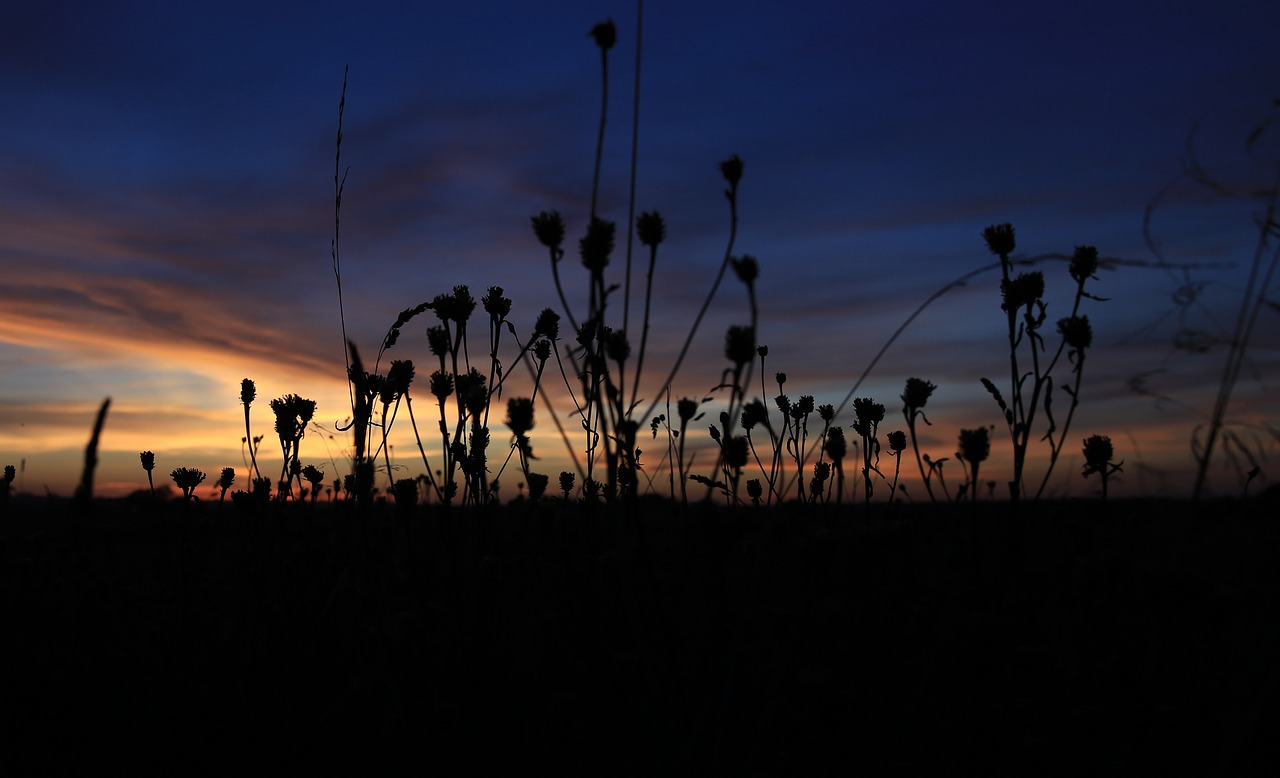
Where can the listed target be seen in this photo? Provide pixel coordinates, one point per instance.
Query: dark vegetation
(645, 614)
(1081, 637)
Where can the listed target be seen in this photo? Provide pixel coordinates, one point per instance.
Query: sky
(167, 207)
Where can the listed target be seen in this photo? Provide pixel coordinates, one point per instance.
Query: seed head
(747, 269)
(597, 245)
(247, 391)
(686, 409)
(835, 444)
(605, 34)
(549, 229)
(226, 478)
(975, 445)
(616, 346)
(1022, 291)
(1097, 454)
(868, 411)
(1076, 332)
(651, 229)
(313, 475)
(538, 485)
(736, 452)
(754, 413)
(1084, 263)
(1000, 239)
(187, 478)
(438, 340)
(495, 304)
(399, 376)
(566, 481)
(471, 391)
(441, 384)
(917, 393)
(548, 324)
(731, 169)
(148, 461)
(542, 350)
(740, 345)
(897, 441)
(405, 492)
(520, 415)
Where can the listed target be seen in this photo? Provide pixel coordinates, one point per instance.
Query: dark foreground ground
(1078, 638)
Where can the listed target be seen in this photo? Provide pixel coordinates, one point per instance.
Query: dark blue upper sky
(166, 185)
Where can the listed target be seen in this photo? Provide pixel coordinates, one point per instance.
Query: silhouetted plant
(149, 464)
(836, 448)
(405, 493)
(1097, 459)
(293, 414)
(897, 441)
(1255, 298)
(187, 479)
(869, 414)
(248, 392)
(315, 477)
(975, 447)
(225, 479)
(914, 397)
(1031, 391)
(10, 472)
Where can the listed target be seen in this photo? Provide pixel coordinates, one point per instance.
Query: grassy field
(651, 638)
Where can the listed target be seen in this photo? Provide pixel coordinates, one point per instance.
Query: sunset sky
(166, 204)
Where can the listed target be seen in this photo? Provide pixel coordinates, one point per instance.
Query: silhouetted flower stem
(1097, 459)
(631, 188)
(148, 460)
(84, 492)
(605, 35)
(1253, 301)
(914, 397)
(247, 394)
(731, 169)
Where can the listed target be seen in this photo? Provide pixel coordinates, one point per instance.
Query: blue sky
(166, 198)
